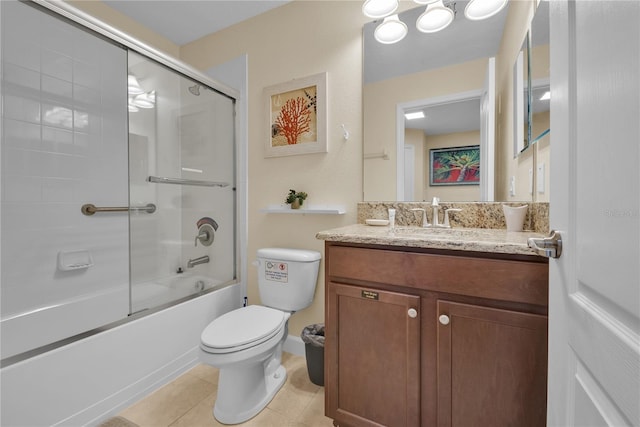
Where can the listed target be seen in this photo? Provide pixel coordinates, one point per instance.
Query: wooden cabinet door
(372, 357)
(492, 366)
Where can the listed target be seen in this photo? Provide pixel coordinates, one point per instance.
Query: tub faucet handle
(205, 235)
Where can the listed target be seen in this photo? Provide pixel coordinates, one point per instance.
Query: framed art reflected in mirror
(454, 166)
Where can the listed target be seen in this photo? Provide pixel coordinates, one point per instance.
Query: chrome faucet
(201, 260)
(435, 204)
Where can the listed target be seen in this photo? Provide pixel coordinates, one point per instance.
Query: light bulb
(477, 10)
(435, 18)
(392, 30)
(379, 8)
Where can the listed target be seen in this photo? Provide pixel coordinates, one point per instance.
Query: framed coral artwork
(454, 166)
(297, 117)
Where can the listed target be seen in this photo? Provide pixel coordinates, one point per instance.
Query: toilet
(246, 344)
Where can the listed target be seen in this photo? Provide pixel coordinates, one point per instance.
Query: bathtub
(43, 326)
(170, 289)
(89, 380)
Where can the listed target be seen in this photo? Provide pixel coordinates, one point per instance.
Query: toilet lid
(242, 326)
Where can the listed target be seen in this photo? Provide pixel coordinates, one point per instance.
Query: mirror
(522, 98)
(440, 70)
(531, 112)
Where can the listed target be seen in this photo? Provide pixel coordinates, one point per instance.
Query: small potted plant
(295, 199)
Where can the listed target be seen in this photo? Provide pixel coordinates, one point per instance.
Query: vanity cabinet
(376, 335)
(422, 337)
(492, 366)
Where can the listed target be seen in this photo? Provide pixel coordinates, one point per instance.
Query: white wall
(297, 40)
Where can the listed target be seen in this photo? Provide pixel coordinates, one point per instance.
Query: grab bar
(182, 181)
(90, 209)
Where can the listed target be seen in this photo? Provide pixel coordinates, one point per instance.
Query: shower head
(195, 89)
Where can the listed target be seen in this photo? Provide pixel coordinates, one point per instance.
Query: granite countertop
(459, 239)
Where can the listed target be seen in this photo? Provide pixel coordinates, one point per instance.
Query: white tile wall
(64, 144)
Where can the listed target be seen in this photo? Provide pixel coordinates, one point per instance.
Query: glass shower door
(181, 161)
(64, 145)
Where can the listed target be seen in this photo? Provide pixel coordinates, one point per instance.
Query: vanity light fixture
(477, 10)
(435, 18)
(379, 8)
(414, 115)
(392, 30)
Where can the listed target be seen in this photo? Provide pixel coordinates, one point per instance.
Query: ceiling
(183, 21)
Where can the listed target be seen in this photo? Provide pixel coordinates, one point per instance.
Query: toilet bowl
(246, 344)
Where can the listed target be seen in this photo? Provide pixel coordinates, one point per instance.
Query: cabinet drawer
(506, 280)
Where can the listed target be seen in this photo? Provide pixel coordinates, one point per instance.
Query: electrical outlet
(512, 186)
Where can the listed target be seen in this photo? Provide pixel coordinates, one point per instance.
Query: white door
(409, 173)
(487, 133)
(594, 291)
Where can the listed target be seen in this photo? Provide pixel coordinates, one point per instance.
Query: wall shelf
(311, 209)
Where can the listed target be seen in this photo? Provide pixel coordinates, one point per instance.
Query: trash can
(313, 337)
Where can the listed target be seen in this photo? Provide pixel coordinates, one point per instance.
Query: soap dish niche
(74, 260)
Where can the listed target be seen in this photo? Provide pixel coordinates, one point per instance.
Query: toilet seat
(242, 328)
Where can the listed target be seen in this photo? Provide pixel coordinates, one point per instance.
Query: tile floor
(188, 401)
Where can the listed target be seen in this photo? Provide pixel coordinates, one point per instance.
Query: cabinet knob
(413, 313)
(444, 319)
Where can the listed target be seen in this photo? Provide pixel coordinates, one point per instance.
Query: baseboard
(294, 345)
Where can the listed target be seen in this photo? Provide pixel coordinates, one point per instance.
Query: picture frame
(297, 117)
(454, 166)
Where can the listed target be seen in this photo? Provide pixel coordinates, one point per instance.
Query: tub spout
(200, 260)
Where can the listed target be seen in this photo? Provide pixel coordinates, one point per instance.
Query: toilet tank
(287, 277)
